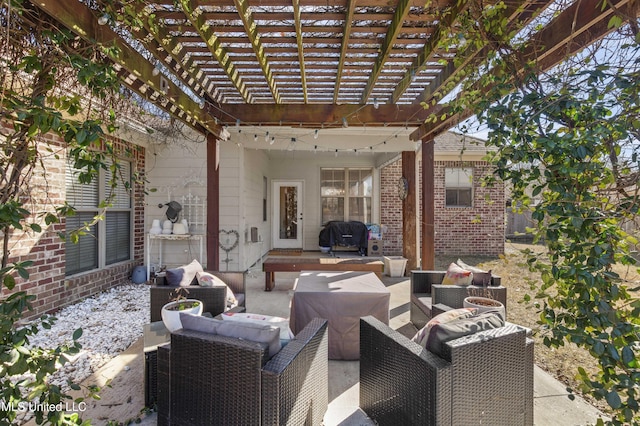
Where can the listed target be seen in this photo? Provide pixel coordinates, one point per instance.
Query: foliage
(51, 82)
(566, 141)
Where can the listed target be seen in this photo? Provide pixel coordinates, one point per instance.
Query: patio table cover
(341, 298)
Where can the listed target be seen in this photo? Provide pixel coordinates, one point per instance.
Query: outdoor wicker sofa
(206, 379)
(214, 298)
(421, 308)
(484, 378)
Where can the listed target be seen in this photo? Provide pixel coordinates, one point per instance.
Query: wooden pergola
(316, 63)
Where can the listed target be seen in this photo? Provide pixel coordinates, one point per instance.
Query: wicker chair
(206, 379)
(485, 378)
(423, 299)
(214, 299)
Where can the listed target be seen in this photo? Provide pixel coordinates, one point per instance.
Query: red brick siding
(391, 209)
(47, 279)
(458, 231)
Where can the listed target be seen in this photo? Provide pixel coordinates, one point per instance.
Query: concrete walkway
(125, 398)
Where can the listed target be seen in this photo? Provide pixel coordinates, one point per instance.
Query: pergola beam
(139, 74)
(571, 31)
(329, 115)
(164, 47)
(526, 11)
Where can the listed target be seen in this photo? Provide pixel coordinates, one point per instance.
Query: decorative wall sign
(403, 188)
(228, 241)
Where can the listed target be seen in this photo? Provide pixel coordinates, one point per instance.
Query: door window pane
(288, 213)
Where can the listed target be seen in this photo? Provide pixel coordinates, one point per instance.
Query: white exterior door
(287, 214)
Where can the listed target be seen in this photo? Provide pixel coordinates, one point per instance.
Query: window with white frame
(109, 240)
(346, 194)
(458, 184)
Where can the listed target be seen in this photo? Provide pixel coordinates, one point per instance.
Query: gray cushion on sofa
(267, 334)
(442, 333)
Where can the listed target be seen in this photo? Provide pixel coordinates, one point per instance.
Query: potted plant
(179, 303)
(483, 302)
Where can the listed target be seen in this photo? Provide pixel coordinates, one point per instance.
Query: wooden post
(213, 204)
(428, 210)
(409, 213)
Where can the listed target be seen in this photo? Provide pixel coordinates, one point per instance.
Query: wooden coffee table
(276, 264)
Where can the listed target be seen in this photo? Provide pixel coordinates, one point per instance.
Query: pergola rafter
(515, 14)
(136, 72)
(564, 36)
(395, 26)
(299, 40)
(159, 42)
(334, 53)
(251, 29)
(348, 18)
(212, 41)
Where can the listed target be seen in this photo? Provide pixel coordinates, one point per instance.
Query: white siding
(173, 171)
(291, 165)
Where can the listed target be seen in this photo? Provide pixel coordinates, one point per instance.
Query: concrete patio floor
(125, 398)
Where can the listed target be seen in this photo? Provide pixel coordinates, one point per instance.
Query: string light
(103, 20)
(291, 146)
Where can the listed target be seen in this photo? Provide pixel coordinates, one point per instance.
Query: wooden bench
(273, 265)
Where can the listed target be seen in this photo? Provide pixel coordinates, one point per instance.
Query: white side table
(161, 238)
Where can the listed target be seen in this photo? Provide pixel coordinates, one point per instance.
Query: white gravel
(110, 322)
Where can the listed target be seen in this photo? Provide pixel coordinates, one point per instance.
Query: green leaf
(9, 282)
(615, 21)
(77, 334)
(81, 136)
(613, 399)
(628, 357)
(598, 348)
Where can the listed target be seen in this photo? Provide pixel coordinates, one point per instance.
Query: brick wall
(458, 230)
(391, 209)
(47, 279)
